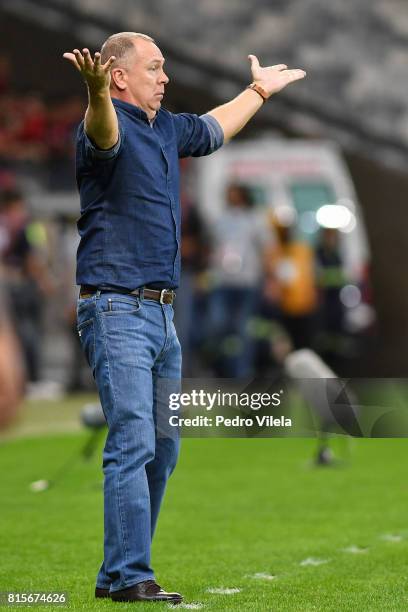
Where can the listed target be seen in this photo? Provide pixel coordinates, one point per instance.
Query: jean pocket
(86, 335)
(116, 305)
(84, 304)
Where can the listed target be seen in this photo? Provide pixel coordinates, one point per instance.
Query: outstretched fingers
(71, 58)
(88, 63)
(295, 75)
(254, 61)
(274, 78)
(255, 67)
(79, 58)
(75, 58)
(84, 62)
(108, 63)
(97, 60)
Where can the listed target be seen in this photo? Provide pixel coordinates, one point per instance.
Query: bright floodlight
(336, 216)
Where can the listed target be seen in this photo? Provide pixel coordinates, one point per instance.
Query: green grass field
(234, 509)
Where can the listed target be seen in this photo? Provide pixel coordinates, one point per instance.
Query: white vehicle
(302, 182)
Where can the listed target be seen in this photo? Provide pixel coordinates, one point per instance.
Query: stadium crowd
(36, 135)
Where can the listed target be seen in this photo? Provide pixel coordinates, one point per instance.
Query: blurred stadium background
(301, 220)
(352, 101)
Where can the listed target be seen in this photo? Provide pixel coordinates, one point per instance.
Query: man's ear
(119, 78)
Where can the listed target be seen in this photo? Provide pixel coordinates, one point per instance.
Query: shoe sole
(175, 600)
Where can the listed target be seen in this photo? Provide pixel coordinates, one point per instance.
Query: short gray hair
(121, 45)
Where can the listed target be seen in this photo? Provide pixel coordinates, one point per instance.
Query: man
(128, 266)
(241, 242)
(26, 278)
(12, 374)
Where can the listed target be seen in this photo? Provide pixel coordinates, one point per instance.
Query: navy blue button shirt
(130, 206)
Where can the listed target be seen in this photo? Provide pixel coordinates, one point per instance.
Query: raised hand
(96, 75)
(273, 78)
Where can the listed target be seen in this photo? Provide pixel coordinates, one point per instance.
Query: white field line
(261, 576)
(392, 537)
(222, 591)
(310, 561)
(313, 561)
(187, 606)
(355, 550)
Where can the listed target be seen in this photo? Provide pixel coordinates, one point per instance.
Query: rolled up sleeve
(197, 136)
(216, 133)
(92, 152)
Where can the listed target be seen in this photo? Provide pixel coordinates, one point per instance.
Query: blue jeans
(131, 344)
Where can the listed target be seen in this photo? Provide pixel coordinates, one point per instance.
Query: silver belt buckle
(162, 294)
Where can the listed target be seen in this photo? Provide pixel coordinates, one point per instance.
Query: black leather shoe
(148, 590)
(100, 593)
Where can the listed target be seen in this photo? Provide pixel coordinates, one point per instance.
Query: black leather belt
(164, 296)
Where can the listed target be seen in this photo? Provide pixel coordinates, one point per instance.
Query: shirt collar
(133, 110)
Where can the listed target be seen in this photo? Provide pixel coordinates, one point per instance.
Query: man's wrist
(98, 92)
(259, 90)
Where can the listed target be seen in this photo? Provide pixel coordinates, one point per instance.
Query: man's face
(16, 215)
(146, 78)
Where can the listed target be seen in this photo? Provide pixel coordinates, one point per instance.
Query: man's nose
(164, 78)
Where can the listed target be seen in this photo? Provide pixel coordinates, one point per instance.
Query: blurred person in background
(32, 129)
(330, 280)
(241, 240)
(23, 127)
(292, 285)
(9, 125)
(26, 279)
(68, 240)
(63, 119)
(188, 312)
(128, 151)
(11, 366)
